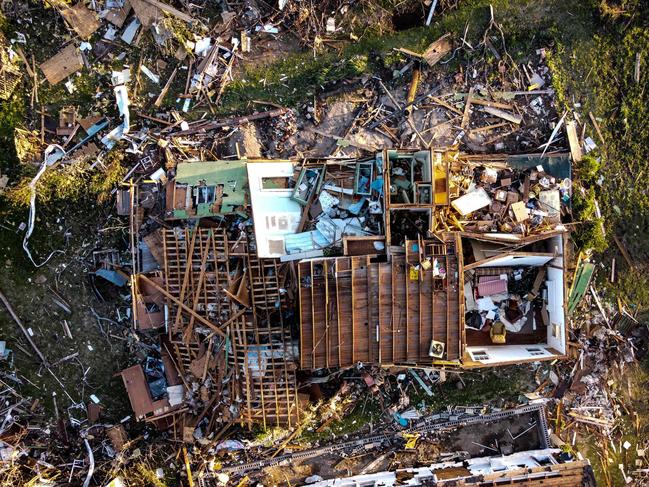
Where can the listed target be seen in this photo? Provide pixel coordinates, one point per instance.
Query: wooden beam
(353, 310)
(201, 282)
(510, 117)
(188, 268)
(596, 125)
(327, 337)
(182, 305)
(314, 344)
(340, 358)
(171, 10)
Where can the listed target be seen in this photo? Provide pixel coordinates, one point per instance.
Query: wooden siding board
(361, 315)
(399, 304)
(413, 319)
(306, 334)
(373, 307)
(385, 313)
(344, 280)
(319, 316)
(426, 316)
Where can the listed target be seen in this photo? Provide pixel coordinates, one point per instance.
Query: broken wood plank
(167, 85)
(337, 137)
(182, 305)
(231, 122)
(171, 10)
(624, 251)
(596, 125)
(510, 117)
(412, 89)
(117, 16)
(146, 12)
(467, 109)
(489, 103)
(438, 49)
(573, 140)
(488, 127)
(442, 103)
(24, 60)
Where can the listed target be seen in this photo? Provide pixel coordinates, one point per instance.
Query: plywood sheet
(83, 20)
(68, 61)
(138, 390)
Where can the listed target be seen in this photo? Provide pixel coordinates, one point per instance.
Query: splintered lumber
(338, 137)
(510, 117)
(13, 314)
(232, 121)
(24, 60)
(68, 61)
(182, 305)
(171, 10)
(167, 85)
(590, 420)
(437, 50)
(624, 252)
(442, 103)
(488, 127)
(573, 140)
(489, 103)
(467, 109)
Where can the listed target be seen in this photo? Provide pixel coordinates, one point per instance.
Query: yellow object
(414, 274)
(411, 440)
(498, 333)
(190, 479)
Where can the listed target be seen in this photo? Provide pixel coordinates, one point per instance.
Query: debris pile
(352, 252)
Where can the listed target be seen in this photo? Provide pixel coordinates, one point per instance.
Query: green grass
(598, 72)
(301, 76)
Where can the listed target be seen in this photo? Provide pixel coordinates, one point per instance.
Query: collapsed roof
(254, 269)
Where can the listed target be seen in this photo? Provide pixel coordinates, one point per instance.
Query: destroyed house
(464, 274)
(536, 468)
(509, 447)
(256, 269)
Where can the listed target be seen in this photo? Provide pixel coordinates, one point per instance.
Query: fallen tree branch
(13, 314)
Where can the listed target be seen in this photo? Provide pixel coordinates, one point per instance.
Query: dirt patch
(99, 342)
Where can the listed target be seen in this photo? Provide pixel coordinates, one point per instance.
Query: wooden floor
(357, 309)
(527, 336)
